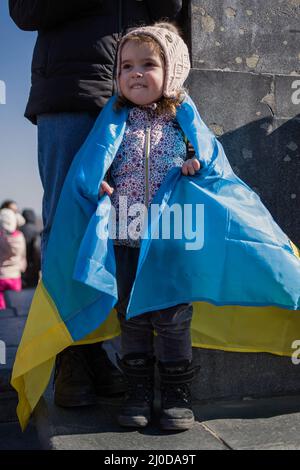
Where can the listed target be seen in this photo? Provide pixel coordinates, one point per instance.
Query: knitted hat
(8, 220)
(176, 55)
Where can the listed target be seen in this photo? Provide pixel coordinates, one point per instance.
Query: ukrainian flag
(244, 282)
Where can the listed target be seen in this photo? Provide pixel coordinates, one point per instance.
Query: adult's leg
(79, 369)
(60, 136)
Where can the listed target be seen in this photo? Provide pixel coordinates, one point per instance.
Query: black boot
(73, 378)
(176, 406)
(137, 408)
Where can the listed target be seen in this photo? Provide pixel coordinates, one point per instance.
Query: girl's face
(142, 73)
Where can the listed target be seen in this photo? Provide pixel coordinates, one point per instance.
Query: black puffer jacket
(74, 55)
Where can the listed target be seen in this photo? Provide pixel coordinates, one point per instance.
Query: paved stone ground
(12, 438)
(260, 424)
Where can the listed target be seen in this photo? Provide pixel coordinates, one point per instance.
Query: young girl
(142, 147)
(12, 254)
(153, 63)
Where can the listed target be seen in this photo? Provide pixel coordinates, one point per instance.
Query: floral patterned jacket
(152, 144)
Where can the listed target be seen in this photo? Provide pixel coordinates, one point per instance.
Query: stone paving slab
(10, 357)
(264, 424)
(196, 439)
(8, 405)
(274, 433)
(11, 331)
(7, 313)
(12, 322)
(97, 428)
(20, 301)
(12, 438)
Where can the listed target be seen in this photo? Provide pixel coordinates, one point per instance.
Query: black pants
(172, 325)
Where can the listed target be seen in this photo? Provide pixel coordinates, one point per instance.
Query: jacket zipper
(147, 163)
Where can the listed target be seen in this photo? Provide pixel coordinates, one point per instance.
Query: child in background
(153, 63)
(10, 204)
(12, 254)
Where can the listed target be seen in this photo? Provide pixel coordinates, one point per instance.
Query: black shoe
(138, 404)
(108, 379)
(73, 378)
(176, 406)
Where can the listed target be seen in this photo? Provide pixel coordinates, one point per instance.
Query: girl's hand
(190, 166)
(105, 188)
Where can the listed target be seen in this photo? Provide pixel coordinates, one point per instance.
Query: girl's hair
(164, 105)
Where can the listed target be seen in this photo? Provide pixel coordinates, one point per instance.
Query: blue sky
(19, 178)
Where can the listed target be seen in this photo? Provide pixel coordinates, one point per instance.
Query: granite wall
(246, 82)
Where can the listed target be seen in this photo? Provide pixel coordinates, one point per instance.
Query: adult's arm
(164, 9)
(23, 257)
(31, 15)
(5, 249)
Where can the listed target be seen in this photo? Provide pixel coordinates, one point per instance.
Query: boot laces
(176, 395)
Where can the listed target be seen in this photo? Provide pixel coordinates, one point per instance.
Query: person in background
(73, 70)
(10, 204)
(33, 248)
(12, 254)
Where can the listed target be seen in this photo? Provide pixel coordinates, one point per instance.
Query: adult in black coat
(74, 55)
(32, 236)
(73, 73)
(72, 78)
